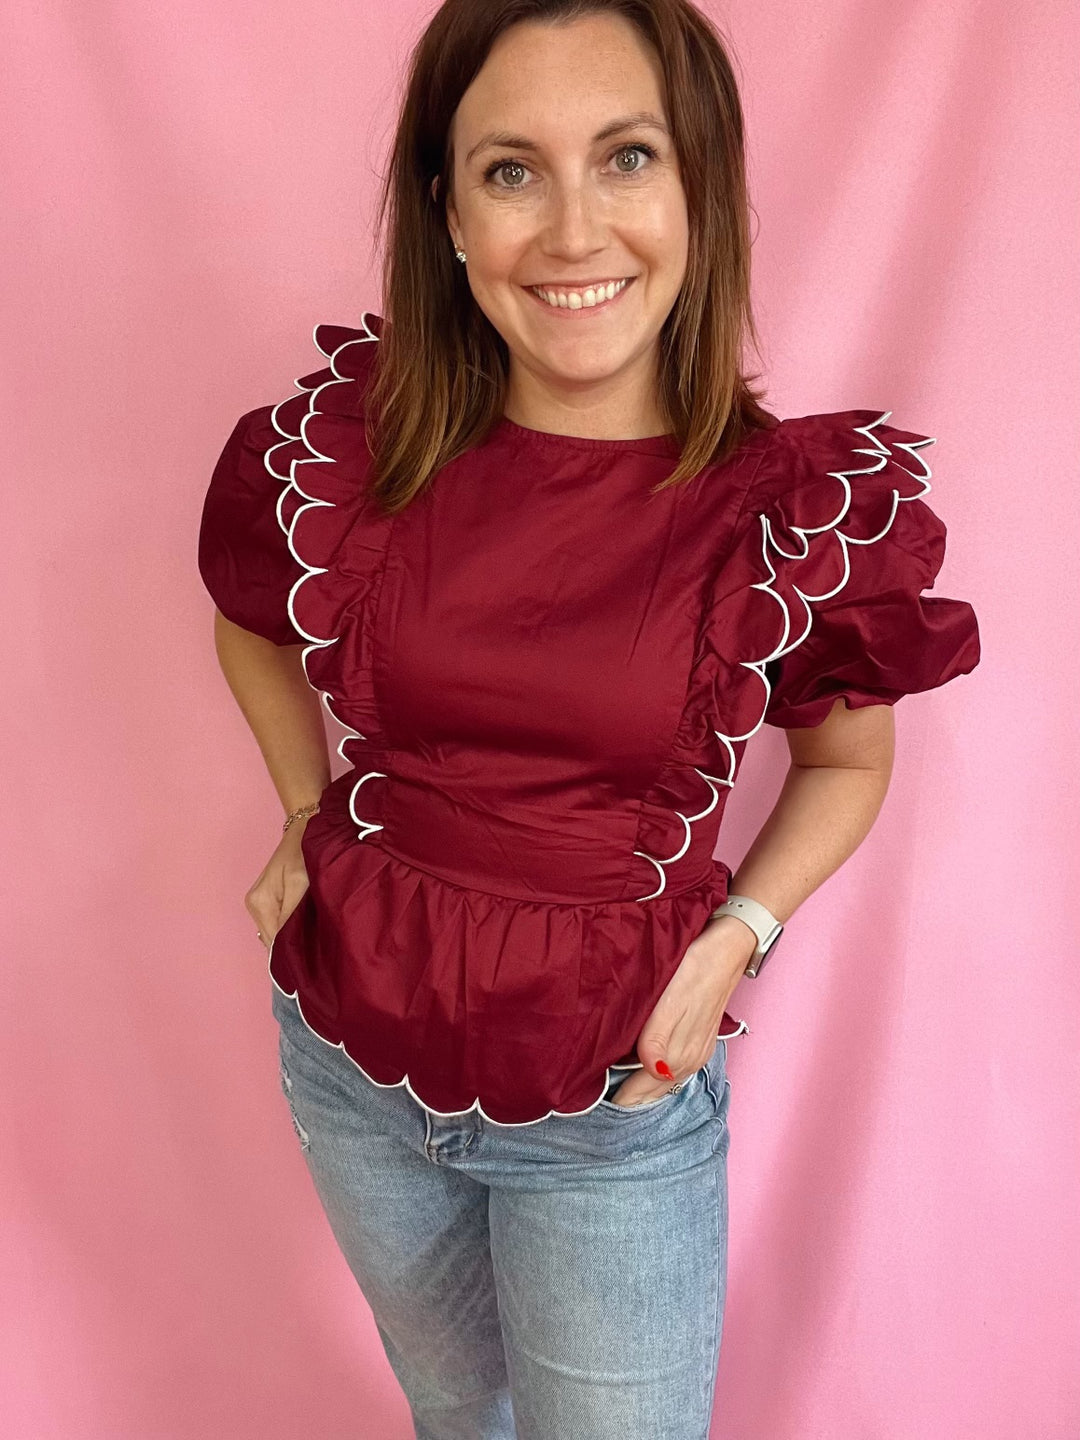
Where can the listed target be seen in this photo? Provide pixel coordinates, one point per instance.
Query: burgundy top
(548, 679)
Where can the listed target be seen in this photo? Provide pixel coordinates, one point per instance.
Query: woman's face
(554, 206)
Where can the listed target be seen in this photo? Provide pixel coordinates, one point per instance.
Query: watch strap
(761, 921)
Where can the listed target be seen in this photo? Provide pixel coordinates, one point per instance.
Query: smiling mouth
(576, 302)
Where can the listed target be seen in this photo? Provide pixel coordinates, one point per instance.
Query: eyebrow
(503, 138)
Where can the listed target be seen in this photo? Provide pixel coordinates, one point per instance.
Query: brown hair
(439, 382)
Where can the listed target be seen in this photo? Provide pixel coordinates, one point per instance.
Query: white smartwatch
(762, 922)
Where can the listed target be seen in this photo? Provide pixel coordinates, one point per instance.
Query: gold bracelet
(302, 814)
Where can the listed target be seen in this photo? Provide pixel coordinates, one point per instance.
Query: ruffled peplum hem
(442, 989)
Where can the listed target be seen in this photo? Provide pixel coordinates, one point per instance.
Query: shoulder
(842, 449)
(341, 385)
(337, 386)
(350, 349)
(850, 473)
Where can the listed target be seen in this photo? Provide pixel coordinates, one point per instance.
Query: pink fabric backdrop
(189, 187)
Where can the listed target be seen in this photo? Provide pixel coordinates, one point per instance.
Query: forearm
(821, 816)
(282, 710)
(823, 812)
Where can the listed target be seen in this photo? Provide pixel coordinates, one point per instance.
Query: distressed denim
(563, 1280)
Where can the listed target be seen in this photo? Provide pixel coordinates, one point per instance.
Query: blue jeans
(563, 1280)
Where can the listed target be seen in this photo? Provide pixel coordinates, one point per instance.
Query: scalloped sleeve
(854, 546)
(244, 557)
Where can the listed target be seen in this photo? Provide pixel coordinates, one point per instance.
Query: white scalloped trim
(882, 454)
(367, 827)
(405, 1083)
(290, 482)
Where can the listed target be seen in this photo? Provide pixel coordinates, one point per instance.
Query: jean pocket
(655, 1103)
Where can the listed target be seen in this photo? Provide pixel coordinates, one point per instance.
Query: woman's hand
(281, 886)
(682, 1030)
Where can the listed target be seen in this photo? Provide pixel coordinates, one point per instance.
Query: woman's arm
(285, 716)
(281, 708)
(832, 794)
(834, 788)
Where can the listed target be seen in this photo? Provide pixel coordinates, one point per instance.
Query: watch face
(768, 948)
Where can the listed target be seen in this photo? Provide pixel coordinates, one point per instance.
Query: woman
(544, 556)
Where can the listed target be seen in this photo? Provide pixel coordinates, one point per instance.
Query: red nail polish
(662, 1066)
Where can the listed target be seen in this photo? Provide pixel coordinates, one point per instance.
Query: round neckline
(666, 444)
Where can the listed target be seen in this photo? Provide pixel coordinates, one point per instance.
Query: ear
(451, 214)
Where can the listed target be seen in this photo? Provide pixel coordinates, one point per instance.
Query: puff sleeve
(244, 557)
(854, 545)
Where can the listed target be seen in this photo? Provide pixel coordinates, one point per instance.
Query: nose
(574, 226)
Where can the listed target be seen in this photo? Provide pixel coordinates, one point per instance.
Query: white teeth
(580, 299)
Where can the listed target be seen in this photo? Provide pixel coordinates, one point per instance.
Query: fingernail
(662, 1066)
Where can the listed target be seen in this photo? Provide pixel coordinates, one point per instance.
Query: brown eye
(633, 150)
(499, 165)
(493, 170)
